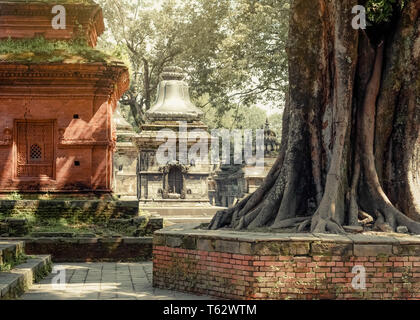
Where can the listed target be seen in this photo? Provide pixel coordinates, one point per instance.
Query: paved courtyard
(103, 281)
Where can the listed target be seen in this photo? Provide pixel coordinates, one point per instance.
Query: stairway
(19, 271)
(179, 214)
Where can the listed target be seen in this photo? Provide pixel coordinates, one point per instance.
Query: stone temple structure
(174, 187)
(125, 159)
(234, 182)
(56, 100)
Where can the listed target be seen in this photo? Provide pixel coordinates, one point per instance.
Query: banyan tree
(350, 151)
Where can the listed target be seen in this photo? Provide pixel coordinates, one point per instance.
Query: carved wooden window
(36, 153)
(35, 149)
(175, 180)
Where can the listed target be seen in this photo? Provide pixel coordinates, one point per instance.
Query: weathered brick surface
(237, 265)
(76, 210)
(91, 249)
(56, 131)
(19, 21)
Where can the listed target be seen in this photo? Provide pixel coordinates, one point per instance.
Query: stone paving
(104, 281)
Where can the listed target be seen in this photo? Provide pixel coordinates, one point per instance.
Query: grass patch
(15, 195)
(85, 2)
(21, 258)
(39, 50)
(64, 225)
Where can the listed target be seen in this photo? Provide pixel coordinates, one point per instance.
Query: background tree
(233, 51)
(154, 34)
(275, 121)
(237, 118)
(351, 131)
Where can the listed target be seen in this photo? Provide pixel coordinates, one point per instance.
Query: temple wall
(85, 139)
(56, 117)
(125, 180)
(19, 24)
(198, 186)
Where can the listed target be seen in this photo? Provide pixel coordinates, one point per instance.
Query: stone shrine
(168, 188)
(125, 159)
(234, 182)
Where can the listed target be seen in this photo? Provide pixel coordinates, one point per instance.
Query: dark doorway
(175, 180)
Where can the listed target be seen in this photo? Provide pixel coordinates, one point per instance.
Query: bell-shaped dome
(173, 99)
(120, 122)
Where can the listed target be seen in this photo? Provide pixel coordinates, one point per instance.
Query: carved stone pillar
(8, 139)
(184, 171)
(165, 189)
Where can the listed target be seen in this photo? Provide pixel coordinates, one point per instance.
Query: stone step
(10, 251)
(188, 219)
(198, 212)
(16, 281)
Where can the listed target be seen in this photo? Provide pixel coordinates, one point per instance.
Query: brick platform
(242, 265)
(75, 210)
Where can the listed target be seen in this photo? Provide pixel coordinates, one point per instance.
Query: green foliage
(72, 224)
(242, 117)
(380, 11)
(15, 196)
(276, 121)
(6, 267)
(40, 50)
(59, 225)
(42, 272)
(54, 2)
(234, 52)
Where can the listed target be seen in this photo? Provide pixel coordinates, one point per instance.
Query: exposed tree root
(291, 222)
(326, 225)
(364, 218)
(304, 225)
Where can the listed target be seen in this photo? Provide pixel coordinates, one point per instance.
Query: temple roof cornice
(113, 79)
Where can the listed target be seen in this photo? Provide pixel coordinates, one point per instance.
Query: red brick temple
(57, 97)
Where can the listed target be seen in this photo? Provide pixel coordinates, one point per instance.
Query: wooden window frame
(53, 124)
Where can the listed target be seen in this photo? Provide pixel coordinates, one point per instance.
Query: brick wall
(238, 265)
(90, 249)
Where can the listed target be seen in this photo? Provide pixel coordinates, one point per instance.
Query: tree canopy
(234, 52)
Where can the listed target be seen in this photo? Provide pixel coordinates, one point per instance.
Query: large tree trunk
(351, 131)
